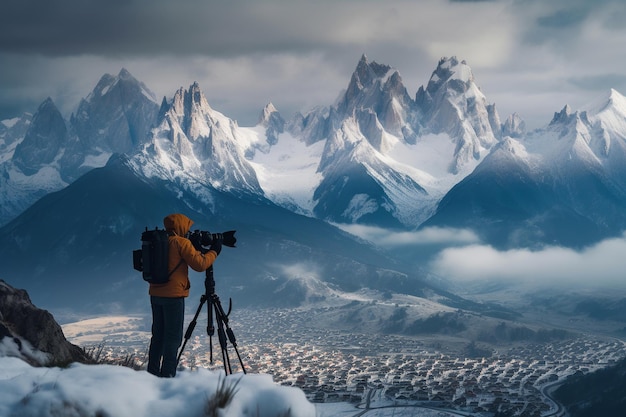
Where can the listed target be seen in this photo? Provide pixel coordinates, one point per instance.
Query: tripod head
(209, 281)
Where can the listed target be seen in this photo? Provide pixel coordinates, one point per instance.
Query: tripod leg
(192, 326)
(231, 337)
(210, 329)
(233, 341)
(222, 321)
(222, 337)
(223, 318)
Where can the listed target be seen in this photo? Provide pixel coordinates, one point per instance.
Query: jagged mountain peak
(609, 112)
(365, 85)
(564, 116)
(125, 74)
(44, 139)
(125, 81)
(196, 95)
(453, 103)
(273, 123)
(203, 143)
(450, 77)
(266, 113)
(190, 105)
(367, 72)
(514, 126)
(378, 87)
(115, 117)
(611, 101)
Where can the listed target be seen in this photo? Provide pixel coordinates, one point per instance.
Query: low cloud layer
(600, 266)
(425, 237)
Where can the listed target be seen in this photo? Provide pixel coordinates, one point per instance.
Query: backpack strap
(179, 262)
(175, 268)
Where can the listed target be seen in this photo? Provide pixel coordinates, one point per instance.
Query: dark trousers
(168, 315)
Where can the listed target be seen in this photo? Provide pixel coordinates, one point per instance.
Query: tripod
(221, 318)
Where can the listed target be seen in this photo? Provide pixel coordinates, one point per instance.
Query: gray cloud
(599, 266)
(425, 237)
(600, 82)
(529, 56)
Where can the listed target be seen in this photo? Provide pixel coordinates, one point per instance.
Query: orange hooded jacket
(181, 248)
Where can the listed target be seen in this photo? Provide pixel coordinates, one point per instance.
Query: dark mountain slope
(508, 204)
(602, 393)
(73, 247)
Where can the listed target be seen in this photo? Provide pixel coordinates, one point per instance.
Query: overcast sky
(528, 56)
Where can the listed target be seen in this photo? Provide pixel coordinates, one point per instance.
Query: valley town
(374, 370)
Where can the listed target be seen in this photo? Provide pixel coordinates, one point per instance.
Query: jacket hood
(177, 223)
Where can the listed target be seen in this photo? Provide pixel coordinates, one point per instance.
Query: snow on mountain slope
(287, 172)
(610, 113)
(196, 143)
(12, 132)
(388, 160)
(562, 184)
(376, 156)
(426, 161)
(116, 116)
(453, 103)
(189, 139)
(52, 152)
(595, 137)
(203, 143)
(358, 184)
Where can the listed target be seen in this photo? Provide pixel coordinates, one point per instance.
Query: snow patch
(9, 123)
(96, 160)
(123, 392)
(287, 172)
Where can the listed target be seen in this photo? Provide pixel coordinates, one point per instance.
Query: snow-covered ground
(93, 390)
(108, 390)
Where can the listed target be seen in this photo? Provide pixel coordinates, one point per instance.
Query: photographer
(168, 299)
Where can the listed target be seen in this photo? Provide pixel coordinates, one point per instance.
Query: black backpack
(153, 257)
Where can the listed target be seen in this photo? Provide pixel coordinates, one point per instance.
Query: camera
(201, 238)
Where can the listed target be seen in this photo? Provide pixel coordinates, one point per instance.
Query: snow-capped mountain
(193, 140)
(44, 139)
(28, 167)
(389, 159)
(376, 156)
(12, 132)
(362, 185)
(116, 117)
(452, 103)
(273, 123)
(379, 88)
(563, 184)
(53, 152)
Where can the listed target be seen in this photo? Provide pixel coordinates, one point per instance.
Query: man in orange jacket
(168, 300)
